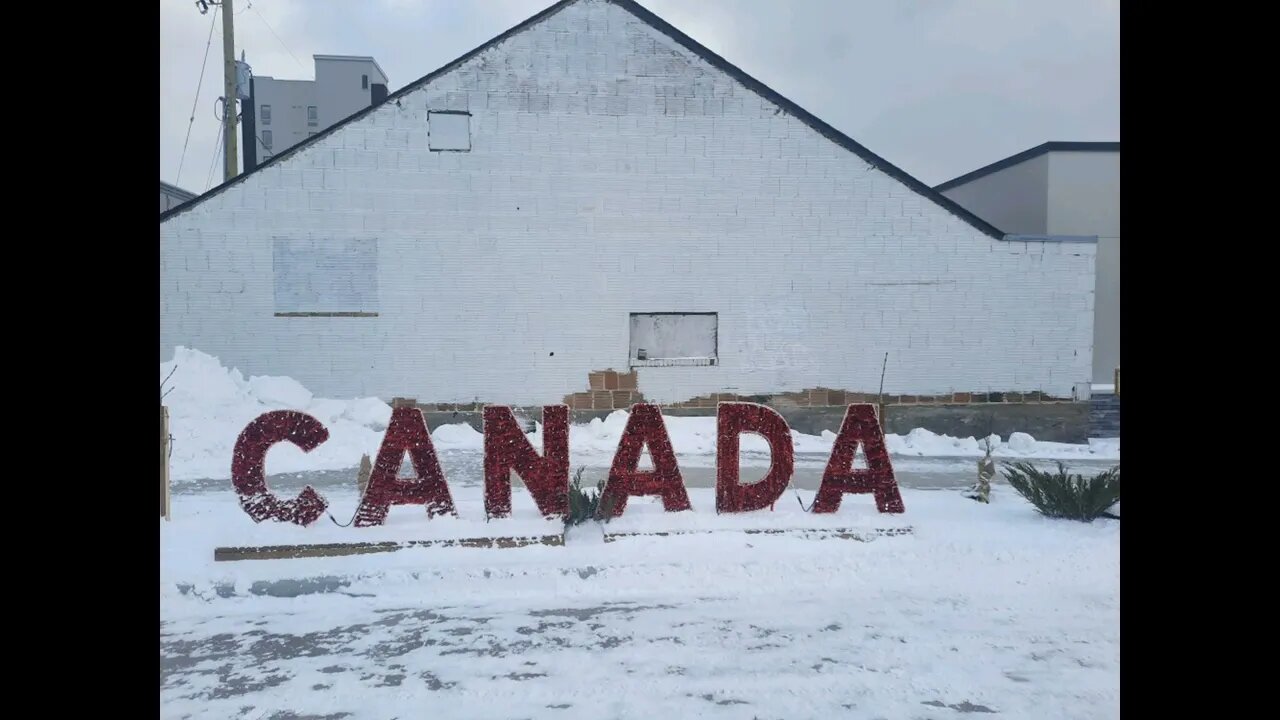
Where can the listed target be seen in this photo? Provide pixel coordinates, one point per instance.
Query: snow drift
(210, 404)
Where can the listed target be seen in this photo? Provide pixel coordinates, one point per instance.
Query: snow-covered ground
(210, 404)
(981, 609)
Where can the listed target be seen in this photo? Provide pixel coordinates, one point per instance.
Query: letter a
(859, 426)
(506, 448)
(406, 433)
(645, 427)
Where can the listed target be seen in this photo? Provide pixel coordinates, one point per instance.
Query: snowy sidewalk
(984, 609)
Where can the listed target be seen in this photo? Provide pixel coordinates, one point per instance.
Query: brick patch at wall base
(1066, 422)
(959, 414)
(613, 390)
(609, 390)
(827, 397)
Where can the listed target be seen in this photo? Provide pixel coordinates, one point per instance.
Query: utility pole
(231, 150)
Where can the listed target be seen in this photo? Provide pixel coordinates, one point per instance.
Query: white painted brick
(644, 181)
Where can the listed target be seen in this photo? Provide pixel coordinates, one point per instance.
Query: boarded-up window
(672, 338)
(449, 131)
(325, 278)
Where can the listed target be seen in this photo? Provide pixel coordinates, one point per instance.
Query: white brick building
(491, 231)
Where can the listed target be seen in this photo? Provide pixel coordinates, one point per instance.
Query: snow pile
(691, 436)
(922, 443)
(210, 405)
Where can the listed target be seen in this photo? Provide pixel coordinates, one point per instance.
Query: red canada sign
(546, 474)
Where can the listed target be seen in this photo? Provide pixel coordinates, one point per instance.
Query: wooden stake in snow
(880, 396)
(164, 462)
(366, 470)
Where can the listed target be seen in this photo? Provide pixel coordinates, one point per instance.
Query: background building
(172, 196)
(593, 208)
(286, 112)
(1062, 188)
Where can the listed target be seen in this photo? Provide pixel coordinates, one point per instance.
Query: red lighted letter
(645, 427)
(732, 419)
(506, 448)
(406, 433)
(859, 426)
(248, 466)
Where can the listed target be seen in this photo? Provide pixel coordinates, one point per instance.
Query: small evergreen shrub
(586, 505)
(1062, 495)
(981, 490)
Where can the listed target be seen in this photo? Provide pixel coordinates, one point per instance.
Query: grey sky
(937, 87)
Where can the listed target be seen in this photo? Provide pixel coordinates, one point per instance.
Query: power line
(277, 37)
(196, 102)
(208, 179)
(264, 145)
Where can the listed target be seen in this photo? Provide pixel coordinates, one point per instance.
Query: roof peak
(689, 44)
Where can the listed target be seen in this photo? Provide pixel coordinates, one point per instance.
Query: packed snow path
(985, 609)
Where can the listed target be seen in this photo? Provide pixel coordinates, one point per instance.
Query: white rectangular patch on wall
(449, 131)
(325, 278)
(670, 338)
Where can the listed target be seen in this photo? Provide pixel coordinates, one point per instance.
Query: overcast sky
(937, 87)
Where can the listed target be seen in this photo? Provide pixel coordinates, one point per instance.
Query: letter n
(506, 448)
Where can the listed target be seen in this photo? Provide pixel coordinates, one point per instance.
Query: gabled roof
(689, 44)
(1027, 155)
(174, 190)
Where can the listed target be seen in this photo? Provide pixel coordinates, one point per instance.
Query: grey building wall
(288, 100)
(1015, 199)
(1084, 199)
(340, 86)
(1061, 192)
(338, 91)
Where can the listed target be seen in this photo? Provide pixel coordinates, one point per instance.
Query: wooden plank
(285, 552)
(365, 472)
(840, 533)
(282, 552)
(326, 314)
(165, 497)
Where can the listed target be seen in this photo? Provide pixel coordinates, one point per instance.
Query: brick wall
(613, 390)
(613, 171)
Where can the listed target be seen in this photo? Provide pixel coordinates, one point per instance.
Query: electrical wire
(208, 180)
(363, 493)
(194, 103)
(277, 37)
